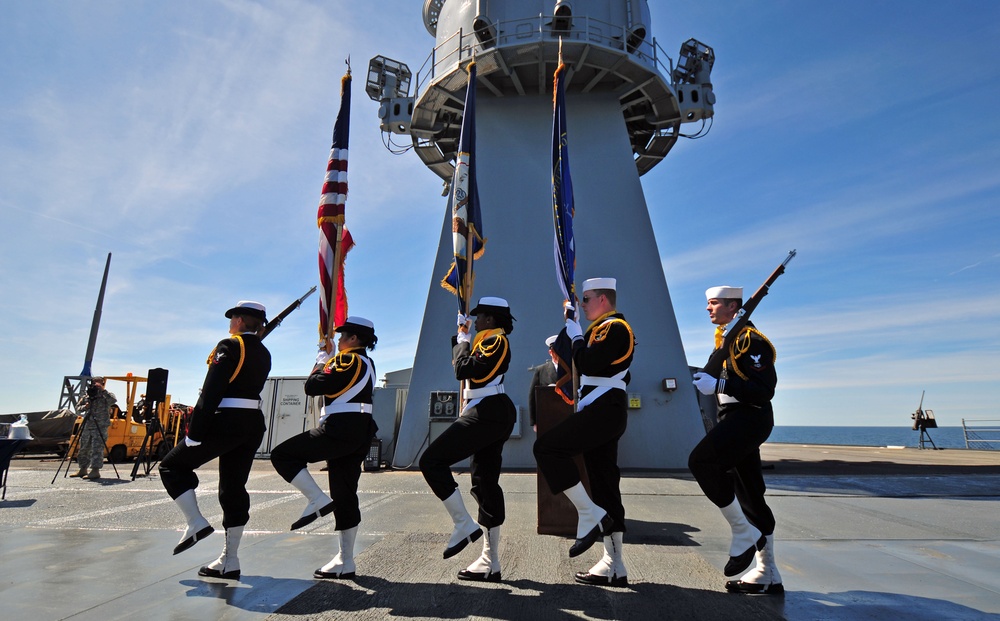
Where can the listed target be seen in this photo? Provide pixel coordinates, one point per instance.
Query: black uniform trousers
(726, 463)
(593, 432)
(343, 441)
(480, 434)
(231, 435)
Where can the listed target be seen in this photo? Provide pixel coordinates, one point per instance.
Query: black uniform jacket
(605, 350)
(748, 375)
(238, 368)
(340, 374)
(482, 360)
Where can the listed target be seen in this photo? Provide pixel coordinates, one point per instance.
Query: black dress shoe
(739, 564)
(458, 547)
(585, 577)
(215, 573)
(749, 588)
(329, 575)
(479, 576)
(193, 539)
(310, 518)
(583, 544)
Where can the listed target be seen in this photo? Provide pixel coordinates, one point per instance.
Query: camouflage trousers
(91, 451)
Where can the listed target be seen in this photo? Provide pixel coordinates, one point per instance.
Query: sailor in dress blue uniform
(602, 357)
(226, 423)
(484, 425)
(342, 438)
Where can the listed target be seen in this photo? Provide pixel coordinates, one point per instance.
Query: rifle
(714, 365)
(274, 323)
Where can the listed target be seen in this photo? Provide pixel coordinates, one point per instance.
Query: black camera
(91, 391)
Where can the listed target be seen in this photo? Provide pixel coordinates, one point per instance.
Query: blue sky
(190, 138)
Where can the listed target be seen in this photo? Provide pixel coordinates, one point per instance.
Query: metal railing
(983, 434)
(464, 44)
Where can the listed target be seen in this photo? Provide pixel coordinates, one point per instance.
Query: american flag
(562, 214)
(334, 238)
(466, 220)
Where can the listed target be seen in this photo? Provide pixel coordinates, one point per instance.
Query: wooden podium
(556, 514)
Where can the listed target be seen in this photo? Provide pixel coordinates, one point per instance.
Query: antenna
(89, 358)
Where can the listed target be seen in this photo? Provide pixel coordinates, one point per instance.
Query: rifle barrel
(718, 356)
(274, 323)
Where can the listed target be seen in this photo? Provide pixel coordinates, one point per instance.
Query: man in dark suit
(544, 374)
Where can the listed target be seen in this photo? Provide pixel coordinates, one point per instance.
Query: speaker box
(156, 385)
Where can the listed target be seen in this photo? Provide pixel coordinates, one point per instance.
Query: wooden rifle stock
(714, 365)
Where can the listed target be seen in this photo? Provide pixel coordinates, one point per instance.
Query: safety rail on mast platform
(514, 31)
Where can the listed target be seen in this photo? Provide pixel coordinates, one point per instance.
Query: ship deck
(863, 533)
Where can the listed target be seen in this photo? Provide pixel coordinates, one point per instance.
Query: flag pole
(571, 285)
(572, 292)
(469, 258)
(468, 229)
(338, 256)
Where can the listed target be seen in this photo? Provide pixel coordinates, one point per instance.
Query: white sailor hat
(357, 325)
(724, 292)
(599, 283)
(248, 308)
(492, 306)
(551, 340)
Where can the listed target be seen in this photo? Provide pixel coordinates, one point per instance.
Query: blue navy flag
(562, 193)
(562, 213)
(466, 219)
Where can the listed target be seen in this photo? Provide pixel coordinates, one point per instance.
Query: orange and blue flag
(466, 219)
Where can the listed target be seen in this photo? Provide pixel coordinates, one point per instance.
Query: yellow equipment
(128, 428)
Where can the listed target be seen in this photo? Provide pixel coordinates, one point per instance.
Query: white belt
(724, 399)
(339, 408)
(472, 396)
(242, 404)
(601, 386)
(610, 382)
(485, 391)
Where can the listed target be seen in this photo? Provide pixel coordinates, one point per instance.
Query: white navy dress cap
(489, 301)
(599, 283)
(357, 324)
(551, 340)
(491, 305)
(246, 307)
(724, 292)
(359, 321)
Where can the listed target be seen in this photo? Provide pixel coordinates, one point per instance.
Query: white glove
(189, 442)
(323, 356)
(573, 329)
(705, 383)
(464, 324)
(569, 310)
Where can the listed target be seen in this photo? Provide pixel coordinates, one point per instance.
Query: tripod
(153, 426)
(75, 444)
(925, 437)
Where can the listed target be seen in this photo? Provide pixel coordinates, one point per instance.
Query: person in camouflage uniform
(94, 431)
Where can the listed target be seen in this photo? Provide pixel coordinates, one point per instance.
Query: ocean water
(943, 437)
